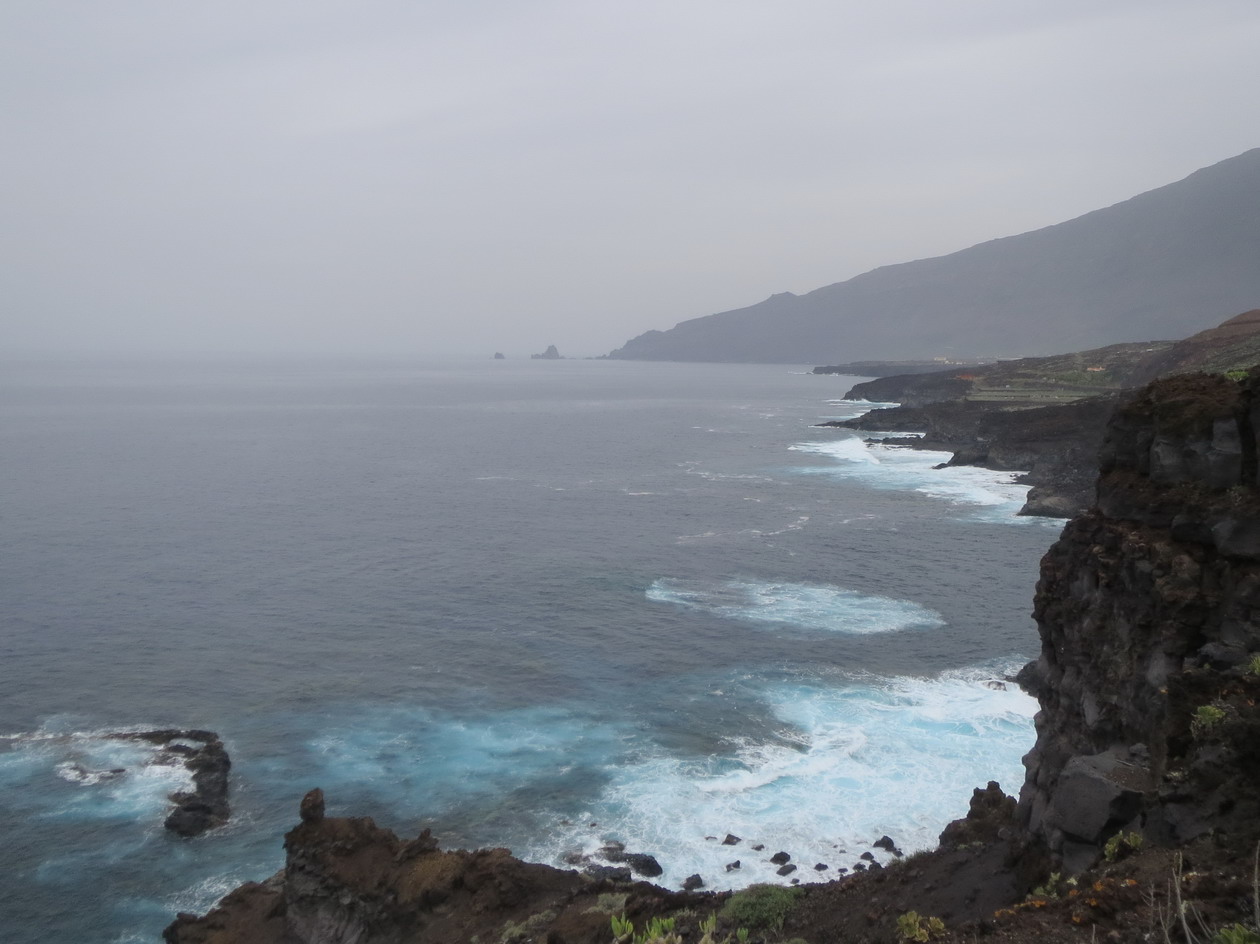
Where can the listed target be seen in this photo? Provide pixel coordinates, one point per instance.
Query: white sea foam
(414, 759)
(990, 495)
(117, 779)
(893, 756)
(852, 409)
(811, 606)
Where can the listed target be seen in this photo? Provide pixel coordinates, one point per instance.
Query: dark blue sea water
(505, 600)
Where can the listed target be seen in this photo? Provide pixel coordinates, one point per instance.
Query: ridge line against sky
(446, 178)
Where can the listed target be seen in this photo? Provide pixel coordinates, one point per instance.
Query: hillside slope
(1145, 268)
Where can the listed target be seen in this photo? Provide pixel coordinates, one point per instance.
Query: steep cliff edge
(1145, 765)
(1149, 612)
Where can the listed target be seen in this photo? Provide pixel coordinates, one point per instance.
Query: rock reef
(202, 753)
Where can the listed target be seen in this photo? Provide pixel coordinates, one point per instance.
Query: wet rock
(886, 843)
(867, 856)
(732, 866)
(821, 867)
(786, 869)
(692, 882)
(731, 840)
(201, 753)
(780, 858)
(643, 864)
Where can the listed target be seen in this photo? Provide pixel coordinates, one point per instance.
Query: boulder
(311, 809)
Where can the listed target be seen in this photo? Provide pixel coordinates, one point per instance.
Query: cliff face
(1147, 608)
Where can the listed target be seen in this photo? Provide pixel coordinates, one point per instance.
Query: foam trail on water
(897, 756)
(94, 776)
(852, 409)
(992, 496)
(811, 606)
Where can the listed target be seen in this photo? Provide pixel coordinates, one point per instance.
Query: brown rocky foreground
(1138, 820)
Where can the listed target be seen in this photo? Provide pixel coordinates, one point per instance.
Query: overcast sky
(466, 176)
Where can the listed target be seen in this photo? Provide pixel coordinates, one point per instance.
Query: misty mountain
(1162, 264)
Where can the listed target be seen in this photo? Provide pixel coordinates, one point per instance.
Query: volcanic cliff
(1139, 808)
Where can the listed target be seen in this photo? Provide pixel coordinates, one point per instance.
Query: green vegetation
(1254, 665)
(1237, 374)
(1236, 934)
(1206, 717)
(709, 927)
(760, 906)
(658, 931)
(913, 926)
(1121, 844)
(661, 931)
(1054, 886)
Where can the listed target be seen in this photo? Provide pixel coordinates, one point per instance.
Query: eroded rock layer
(1147, 608)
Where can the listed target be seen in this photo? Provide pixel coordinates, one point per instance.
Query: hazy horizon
(443, 179)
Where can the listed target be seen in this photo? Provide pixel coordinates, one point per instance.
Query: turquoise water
(504, 600)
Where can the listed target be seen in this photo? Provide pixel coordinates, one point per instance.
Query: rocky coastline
(1043, 416)
(1054, 448)
(1139, 806)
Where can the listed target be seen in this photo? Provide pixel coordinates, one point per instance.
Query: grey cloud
(464, 177)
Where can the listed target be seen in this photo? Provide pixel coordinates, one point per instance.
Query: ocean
(533, 604)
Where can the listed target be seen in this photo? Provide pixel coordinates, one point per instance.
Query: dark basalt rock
(990, 817)
(886, 843)
(206, 805)
(1146, 612)
(611, 873)
(780, 858)
(312, 807)
(731, 840)
(1055, 446)
(644, 864)
(640, 862)
(692, 882)
(785, 869)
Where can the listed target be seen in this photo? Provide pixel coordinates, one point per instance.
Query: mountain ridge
(1147, 266)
